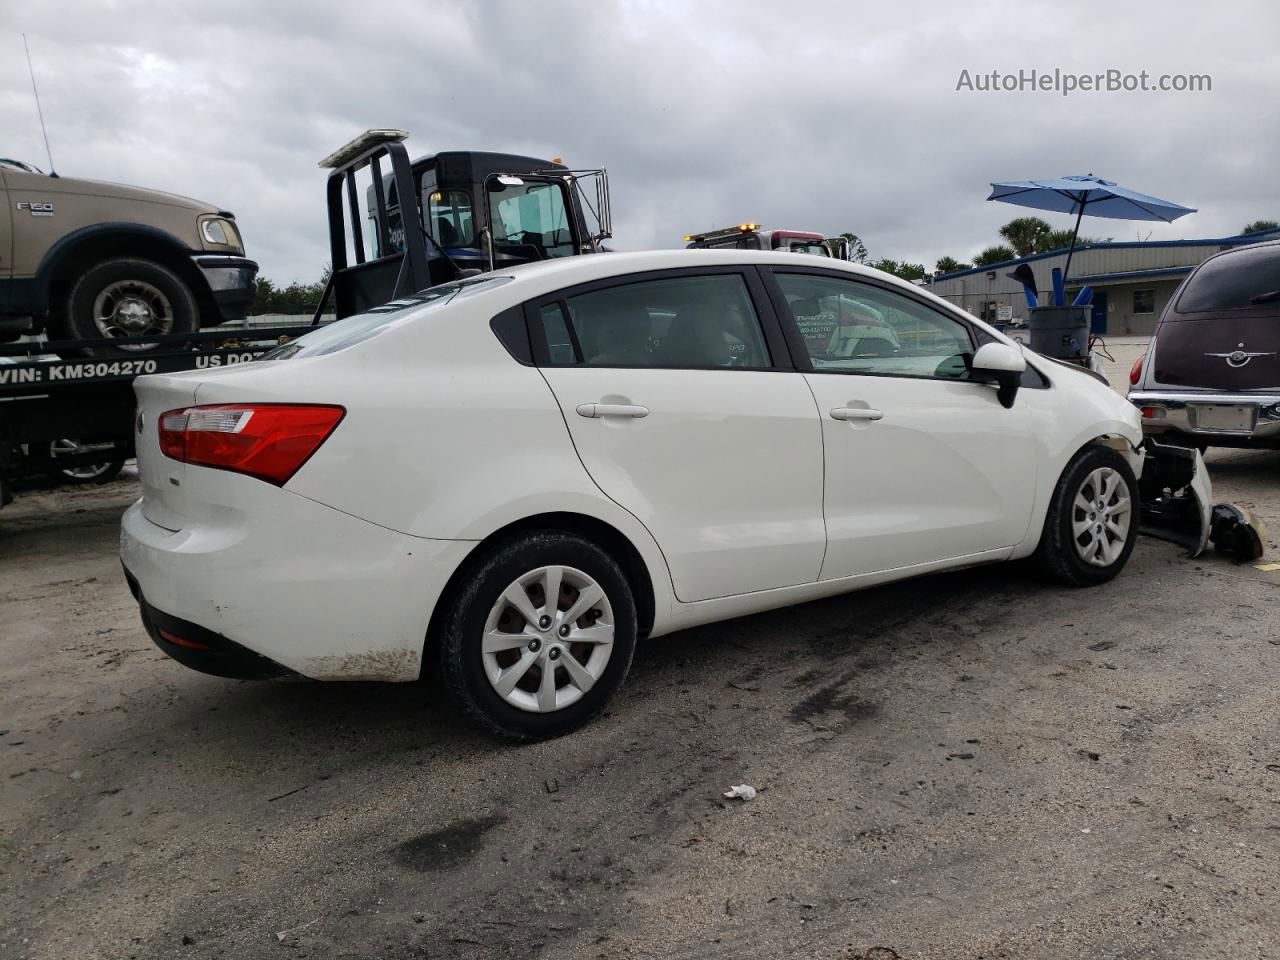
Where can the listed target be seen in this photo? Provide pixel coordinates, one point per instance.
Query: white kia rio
(516, 476)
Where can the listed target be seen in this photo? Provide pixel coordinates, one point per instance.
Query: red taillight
(265, 440)
(1135, 372)
(182, 641)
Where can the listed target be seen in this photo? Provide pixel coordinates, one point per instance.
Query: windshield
(1234, 282)
(352, 330)
(815, 247)
(531, 215)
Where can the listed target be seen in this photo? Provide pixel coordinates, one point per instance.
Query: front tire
(1092, 523)
(540, 636)
(128, 297)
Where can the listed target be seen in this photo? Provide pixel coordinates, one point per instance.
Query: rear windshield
(1247, 278)
(352, 330)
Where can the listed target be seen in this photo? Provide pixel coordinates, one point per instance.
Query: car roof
(568, 271)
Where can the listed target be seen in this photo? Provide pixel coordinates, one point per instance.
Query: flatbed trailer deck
(49, 392)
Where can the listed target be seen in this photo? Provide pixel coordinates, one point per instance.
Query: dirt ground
(971, 765)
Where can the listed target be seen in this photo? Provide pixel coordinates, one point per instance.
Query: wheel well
(91, 250)
(598, 532)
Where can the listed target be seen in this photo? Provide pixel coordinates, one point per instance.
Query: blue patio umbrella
(1086, 195)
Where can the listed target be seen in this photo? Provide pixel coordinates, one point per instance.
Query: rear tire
(522, 675)
(128, 297)
(103, 472)
(1083, 544)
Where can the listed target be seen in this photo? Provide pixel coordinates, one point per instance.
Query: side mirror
(1002, 365)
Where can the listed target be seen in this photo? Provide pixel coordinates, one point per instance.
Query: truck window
(532, 214)
(449, 218)
(814, 247)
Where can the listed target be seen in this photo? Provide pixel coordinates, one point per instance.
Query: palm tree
(1025, 234)
(950, 265)
(996, 254)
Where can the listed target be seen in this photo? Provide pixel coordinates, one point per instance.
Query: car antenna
(39, 112)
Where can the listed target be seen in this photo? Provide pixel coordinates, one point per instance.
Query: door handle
(593, 410)
(856, 413)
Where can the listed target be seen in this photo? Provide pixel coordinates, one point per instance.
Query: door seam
(822, 445)
(604, 493)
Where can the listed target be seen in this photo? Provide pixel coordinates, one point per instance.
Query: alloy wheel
(82, 471)
(1101, 515)
(548, 639)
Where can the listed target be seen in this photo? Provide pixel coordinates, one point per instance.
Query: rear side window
(1246, 278)
(690, 322)
(349, 331)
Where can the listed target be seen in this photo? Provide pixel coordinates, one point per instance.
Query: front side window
(692, 322)
(533, 216)
(852, 327)
(449, 219)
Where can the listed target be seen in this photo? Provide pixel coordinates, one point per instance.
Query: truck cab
(450, 215)
(751, 236)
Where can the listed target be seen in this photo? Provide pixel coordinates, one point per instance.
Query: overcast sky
(828, 116)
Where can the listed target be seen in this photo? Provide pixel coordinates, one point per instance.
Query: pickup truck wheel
(1092, 523)
(128, 297)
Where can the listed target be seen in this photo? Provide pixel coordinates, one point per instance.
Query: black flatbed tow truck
(49, 393)
(429, 221)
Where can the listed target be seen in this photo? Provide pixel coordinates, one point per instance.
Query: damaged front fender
(1177, 506)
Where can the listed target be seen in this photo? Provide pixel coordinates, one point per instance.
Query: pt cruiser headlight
(220, 232)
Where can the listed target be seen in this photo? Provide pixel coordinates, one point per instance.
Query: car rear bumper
(231, 282)
(290, 587)
(1172, 414)
(200, 649)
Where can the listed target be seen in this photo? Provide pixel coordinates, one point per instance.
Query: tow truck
(448, 216)
(751, 236)
(429, 221)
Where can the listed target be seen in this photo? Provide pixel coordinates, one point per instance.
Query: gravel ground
(971, 765)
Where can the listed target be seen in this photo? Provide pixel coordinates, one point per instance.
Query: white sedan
(514, 477)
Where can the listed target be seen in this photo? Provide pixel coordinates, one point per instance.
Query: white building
(1132, 282)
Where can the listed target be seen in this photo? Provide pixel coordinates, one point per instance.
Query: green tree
(950, 265)
(900, 268)
(857, 250)
(1061, 239)
(295, 298)
(995, 254)
(1260, 225)
(1025, 234)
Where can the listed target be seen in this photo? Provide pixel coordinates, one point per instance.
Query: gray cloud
(832, 116)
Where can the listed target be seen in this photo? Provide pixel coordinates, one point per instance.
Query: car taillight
(269, 441)
(1135, 372)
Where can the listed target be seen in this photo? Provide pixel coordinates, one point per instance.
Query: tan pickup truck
(85, 260)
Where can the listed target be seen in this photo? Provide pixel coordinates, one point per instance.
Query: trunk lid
(1231, 352)
(164, 500)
